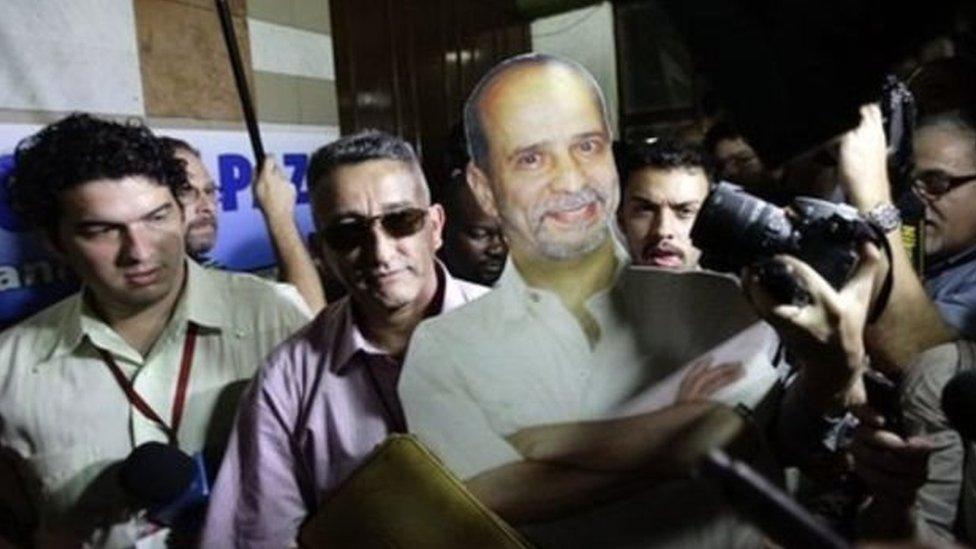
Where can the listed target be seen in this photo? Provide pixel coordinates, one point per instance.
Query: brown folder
(403, 497)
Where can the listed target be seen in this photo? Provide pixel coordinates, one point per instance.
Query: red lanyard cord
(179, 399)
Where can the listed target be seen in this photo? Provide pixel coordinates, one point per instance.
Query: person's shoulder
(468, 324)
(308, 347)
(246, 292)
(471, 291)
(36, 336)
(961, 279)
(480, 301)
(43, 325)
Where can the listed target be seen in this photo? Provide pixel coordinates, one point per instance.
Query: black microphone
(763, 504)
(959, 403)
(169, 483)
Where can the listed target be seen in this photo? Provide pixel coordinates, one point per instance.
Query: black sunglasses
(937, 183)
(352, 232)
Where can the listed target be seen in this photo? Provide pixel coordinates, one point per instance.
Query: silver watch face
(886, 216)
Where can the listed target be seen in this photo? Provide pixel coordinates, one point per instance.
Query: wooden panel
(183, 60)
(407, 66)
(312, 15)
(277, 97)
(317, 100)
(237, 7)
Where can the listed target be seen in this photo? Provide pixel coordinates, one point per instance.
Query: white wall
(66, 56)
(586, 36)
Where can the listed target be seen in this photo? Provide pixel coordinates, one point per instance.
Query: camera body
(735, 229)
(898, 113)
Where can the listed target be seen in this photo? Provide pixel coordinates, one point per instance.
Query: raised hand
(704, 379)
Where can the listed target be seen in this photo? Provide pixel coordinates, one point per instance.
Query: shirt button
(240, 334)
(535, 297)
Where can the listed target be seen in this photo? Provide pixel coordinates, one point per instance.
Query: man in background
(945, 179)
(200, 200)
(474, 246)
(735, 159)
(665, 183)
(275, 197)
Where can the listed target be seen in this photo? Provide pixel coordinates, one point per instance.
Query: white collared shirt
(518, 358)
(65, 420)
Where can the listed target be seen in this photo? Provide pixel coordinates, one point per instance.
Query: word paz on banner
(236, 172)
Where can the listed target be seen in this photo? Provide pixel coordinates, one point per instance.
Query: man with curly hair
(153, 347)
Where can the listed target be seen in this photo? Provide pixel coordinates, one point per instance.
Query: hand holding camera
(826, 334)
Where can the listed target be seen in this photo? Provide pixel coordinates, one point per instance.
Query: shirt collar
(450, 291)
(80, 321)
(196, 304)
(71, 330)
(943, 265)
(518, 294)
(351, 339)
(202, 286)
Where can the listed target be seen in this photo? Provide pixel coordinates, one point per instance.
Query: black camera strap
(885, 294)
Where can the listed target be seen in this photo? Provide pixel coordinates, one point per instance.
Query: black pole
(227, 26)
(763, 504)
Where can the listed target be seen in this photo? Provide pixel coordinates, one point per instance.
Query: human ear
(481, 189)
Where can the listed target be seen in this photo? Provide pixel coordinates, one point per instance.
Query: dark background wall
(406, 66)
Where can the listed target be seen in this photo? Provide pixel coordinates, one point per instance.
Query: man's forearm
(667, 442)
(294, 262)
(528, 491)
(910, 322)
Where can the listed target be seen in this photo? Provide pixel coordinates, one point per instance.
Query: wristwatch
(885, 217)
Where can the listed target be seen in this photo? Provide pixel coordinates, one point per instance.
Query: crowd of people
(487, 315)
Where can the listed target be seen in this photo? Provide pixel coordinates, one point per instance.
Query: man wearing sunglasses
(327, 397)
(945, 179)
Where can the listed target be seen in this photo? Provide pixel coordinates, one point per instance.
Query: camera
(735, 229)
(898, 115)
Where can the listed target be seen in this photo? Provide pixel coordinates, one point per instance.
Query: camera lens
(733, 229)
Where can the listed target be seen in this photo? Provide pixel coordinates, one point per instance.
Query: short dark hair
(79, 149)
(176, 144)
(474, 128)
(355, 148)
(720, 131)
(662, 154)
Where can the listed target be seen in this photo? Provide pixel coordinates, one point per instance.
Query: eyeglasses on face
(937, 182)
(191, 195)
(351, 232)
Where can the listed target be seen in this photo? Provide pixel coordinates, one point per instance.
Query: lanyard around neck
(179, 400)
